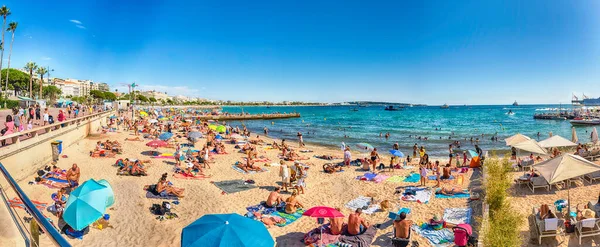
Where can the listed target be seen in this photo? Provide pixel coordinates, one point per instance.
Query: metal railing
(15, 137)
(45, 225)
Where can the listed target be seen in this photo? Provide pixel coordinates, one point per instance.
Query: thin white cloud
(80, 26)
(76, 22)
(46, 58)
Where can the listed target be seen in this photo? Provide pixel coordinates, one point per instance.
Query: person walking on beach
(300, 141)
(374, 158)
(415, 148)
(17, 119)
(38, 115)
(450, 153)
(284, 172)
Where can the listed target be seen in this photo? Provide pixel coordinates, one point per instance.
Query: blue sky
(432, 52)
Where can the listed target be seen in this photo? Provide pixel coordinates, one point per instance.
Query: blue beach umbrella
(86, 204)
(165, 136)
(232, 230)
(110, 200)
(113, 117)
(397, 153)
(194, 134)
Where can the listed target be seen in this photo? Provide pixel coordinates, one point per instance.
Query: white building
(155, 94)
(68, 87)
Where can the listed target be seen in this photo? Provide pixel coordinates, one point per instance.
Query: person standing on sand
(450, 153)
(284, 172)
(38, 115)
(374, 158)
(415, 149)
(423, 174)
(300, 141)
(347, 156)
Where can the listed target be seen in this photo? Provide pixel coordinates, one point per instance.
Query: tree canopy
(17, 80)
(51, 92)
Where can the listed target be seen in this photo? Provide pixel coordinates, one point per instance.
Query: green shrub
(503, 224)
(10, 104)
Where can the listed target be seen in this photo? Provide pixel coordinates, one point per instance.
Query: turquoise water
(327, 125)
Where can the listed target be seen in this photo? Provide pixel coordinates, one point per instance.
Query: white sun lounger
(538, 182)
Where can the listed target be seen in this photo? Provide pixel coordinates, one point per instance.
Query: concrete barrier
(24, 157)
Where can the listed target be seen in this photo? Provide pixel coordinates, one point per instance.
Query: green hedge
(10, 104)
(503, 226)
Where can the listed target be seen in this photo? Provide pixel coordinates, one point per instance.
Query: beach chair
(587, 228)
(549, 228)
(593, 206)
(575, 180)
(538, 182)
(592, 177)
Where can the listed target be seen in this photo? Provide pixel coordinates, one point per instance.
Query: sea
(334, 125)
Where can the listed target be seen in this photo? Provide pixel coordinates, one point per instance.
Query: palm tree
(30, 66)
(12, 27)
(41, 71)
(4, 12)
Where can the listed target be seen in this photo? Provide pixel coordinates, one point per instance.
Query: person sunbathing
(165, 188)
(292, 204)
(275, 145)
(137, 138)
(331, 168)
(292, 155)
(448, 190)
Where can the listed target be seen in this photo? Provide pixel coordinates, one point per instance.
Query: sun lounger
(592, 177)
(587, 228)
(575, 180)
(538, 182)
(548, 227)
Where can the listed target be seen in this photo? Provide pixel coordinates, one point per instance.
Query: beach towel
(234, 186)
(380, 178)
(463, 195)
(434, 177)
(236, 168)
(320, 235)
(437, 238)
(395, 179)
(457, 215)
(289, 218)
(153, 196)
(17, 203)
(393, 215)
(259, 208)
(184, 176)
(412, 178)
(367, 176)
(54, 183)
(420, 195)
(364, 203)
(362, 240)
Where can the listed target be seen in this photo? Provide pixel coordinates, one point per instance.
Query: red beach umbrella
(323, 212)
(156, 144)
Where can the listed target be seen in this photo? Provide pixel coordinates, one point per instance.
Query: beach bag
(462, 235)
(157, 209)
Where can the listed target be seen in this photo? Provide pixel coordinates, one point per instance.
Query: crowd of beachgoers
(166, 169)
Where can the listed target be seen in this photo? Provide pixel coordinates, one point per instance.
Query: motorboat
(445, 106)
(583, 122)
(392, 108)
(515, 103)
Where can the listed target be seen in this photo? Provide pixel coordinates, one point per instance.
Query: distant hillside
(381, 103)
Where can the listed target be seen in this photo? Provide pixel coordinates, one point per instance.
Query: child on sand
(284, 172)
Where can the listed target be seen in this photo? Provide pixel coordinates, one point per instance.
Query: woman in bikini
(165, 188)
(374, 158)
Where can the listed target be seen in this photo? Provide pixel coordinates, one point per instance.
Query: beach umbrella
(110, 200)
(86, 204)
(556, 141)
(156, 144)
(143, 114)
(574, 135)
(516, 139)
(113, 117)
(364, 146)
(472, 153)
(594, 136)
(397, 153)
(217, 230)
(212, 127)
(165, 136)
(152, 121)
(530, 146)
(565, 167)
(323, 212)
(221, 129)
(194, 134)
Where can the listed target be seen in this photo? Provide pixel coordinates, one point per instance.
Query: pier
(247, 117)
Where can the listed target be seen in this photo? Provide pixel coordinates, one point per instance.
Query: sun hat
(588, 213)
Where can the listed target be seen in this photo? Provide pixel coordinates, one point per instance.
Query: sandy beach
(134, 225)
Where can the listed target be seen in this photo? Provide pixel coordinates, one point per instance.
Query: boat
(515, 103)
(354, 109)
(583, 122)
(392, 108)
(445, 106)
